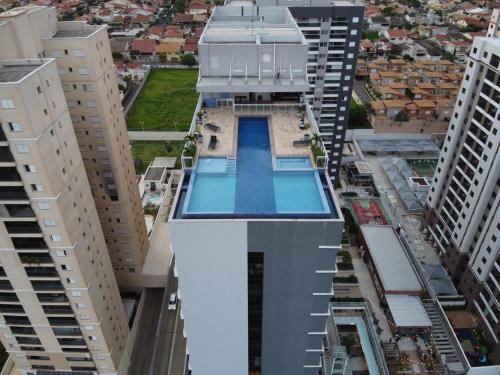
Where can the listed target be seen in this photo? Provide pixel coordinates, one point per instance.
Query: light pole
(142, 126)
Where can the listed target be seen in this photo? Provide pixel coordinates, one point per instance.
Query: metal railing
(321, 160)
(186, 160)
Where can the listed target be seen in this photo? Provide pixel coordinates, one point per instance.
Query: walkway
(156, 136)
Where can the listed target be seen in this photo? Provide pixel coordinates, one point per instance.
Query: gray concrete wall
(291, 261)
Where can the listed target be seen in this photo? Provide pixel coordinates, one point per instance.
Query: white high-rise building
(463, 206)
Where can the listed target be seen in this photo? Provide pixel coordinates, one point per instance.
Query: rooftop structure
(390, 262)
(407, 311)
(14, 71)
(252, 49)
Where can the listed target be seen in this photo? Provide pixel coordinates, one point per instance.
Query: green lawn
(146, 151)
(166, 102)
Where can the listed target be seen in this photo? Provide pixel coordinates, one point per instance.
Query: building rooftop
(154, 173)
(69, 29)
(407, 311)
(257, 25)
(14, 71)
(393, 266)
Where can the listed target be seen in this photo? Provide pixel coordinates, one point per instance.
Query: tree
(388, 12)
(188, 59)
(408, 57)
(117, 55)
(449, 56)
(358, 116)
(402, 116)
(162, 57)
(409, 94)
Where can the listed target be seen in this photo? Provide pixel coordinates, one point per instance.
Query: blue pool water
(293, 163)
(255, 189)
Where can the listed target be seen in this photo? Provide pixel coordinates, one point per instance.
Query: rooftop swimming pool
(255, 184)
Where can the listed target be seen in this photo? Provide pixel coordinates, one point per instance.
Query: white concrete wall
(211, 261)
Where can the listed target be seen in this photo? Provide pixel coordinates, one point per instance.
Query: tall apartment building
(494, 26)
(85, 67)
(333, 31)
(463, 213)
(60, 308)
(255, 231)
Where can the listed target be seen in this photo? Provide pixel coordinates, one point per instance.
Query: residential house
(122, 46)
(143, 50)
(378, 23)
(396, 36)
(197, 8)
(168, 51)
(155, 32)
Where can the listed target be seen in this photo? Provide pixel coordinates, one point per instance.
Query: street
(160, 347)
(360, 91)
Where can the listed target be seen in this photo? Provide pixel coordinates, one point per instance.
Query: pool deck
(284, 129)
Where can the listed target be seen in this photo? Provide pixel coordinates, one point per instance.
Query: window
(91, 104)
(43, 206)
(92, 338)
(70, 280)
(15, 127)
(7, 103)
(86, 87)
(55, 53)
(78, 53)
(76, 293)
(80, 305)
(66, 267)
(61, 253)
(83, 71)
(55, 238)
(355, 19)
(29, 168)
(95, 119)
(36, 187)
(49, 222)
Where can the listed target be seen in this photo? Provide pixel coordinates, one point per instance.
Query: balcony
(72, 342)
(3, 138)
(6, 155)
(58, 310)
(16, 211)
(67, 331)
(8, 297)
(75, 350)
(52, 298)
(17, 320)
(5, 285)
(47, 285)
(23, 330)
(30, 244)
(23, 227)
(32, 348)
(42, 272)
(13, 193)
(2, 272)
(12, 309)
(78, 359)
(9, 176)
(35, 259)
(63, 322)
(28, 340)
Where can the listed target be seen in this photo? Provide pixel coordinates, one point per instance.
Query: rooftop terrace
(15, 71)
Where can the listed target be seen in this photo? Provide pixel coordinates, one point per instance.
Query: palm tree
(316, 139)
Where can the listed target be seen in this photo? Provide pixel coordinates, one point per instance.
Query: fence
(137, 91)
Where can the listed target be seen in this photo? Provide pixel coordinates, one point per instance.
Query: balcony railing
(58, 310)
(22, 227)
(5, 285)
(64, 322)
(17, 320)
(5, 155)
(12, 193)
(14, 309)
(41, 272)
(72, 342)
(47, 285)
(23, 330)
(16, 211)
(28, 340)
(35, 259)
(52, 297)
(9, 174)
(67, 331)
(8, 297)
(29, 243)
(188, 160)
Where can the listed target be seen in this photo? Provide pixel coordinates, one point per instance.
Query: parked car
(172, 301)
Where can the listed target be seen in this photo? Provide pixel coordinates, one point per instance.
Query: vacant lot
(146, 151)
(166, 102)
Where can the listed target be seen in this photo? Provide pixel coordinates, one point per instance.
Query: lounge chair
(213, 142)
(302, 142)
(211, 126)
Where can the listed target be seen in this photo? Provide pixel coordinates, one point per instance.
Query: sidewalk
(156, 136)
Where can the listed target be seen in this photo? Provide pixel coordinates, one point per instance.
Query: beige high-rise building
(60, 307)
(85, 67)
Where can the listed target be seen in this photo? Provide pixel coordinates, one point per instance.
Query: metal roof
(389, 257)
(407, 311)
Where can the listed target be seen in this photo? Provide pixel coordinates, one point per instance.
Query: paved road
(361, 92)
(143, 347)
(155, 136)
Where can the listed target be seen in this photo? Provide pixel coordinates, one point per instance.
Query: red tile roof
(183, 18)
(397, 33)
(144, 46)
